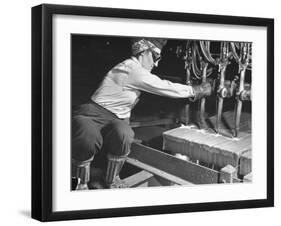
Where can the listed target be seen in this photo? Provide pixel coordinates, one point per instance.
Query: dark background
(93, 56)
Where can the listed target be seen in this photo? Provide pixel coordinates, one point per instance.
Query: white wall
(15, 93)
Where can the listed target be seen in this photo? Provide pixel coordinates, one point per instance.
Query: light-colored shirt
(121, 87)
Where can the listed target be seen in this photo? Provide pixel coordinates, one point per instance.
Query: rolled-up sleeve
(143, 80)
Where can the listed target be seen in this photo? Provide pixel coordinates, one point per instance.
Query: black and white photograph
(139, 112)
(159, 112)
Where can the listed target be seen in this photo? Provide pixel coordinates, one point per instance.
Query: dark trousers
(95, 129)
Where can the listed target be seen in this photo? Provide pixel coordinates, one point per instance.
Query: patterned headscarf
(140, 45)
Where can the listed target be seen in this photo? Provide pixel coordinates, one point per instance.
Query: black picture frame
(42, 108)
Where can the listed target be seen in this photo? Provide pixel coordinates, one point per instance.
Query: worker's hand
(202, 90)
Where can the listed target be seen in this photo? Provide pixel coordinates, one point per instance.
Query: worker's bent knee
(120, 130)
(86, 139)
(118, 137)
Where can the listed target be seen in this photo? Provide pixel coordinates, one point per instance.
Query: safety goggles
(155, 56)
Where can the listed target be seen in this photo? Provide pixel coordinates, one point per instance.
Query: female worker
(103, 122)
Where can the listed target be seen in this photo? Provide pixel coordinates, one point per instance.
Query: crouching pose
(102, 124)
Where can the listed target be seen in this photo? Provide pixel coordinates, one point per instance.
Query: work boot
(96, 178)
(114, 166)
(82, 173)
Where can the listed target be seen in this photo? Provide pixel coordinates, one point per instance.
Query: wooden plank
(138, 179)
(155, 122)
(185, 170)
(157, 172)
